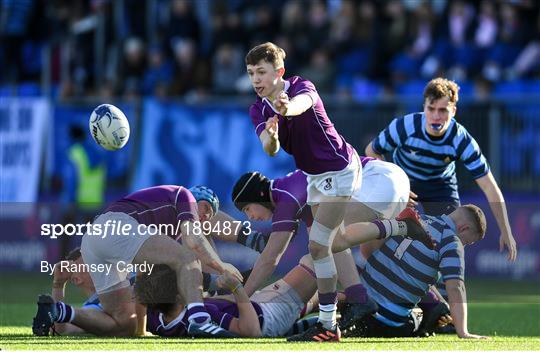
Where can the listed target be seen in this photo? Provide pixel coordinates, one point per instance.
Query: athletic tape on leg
(321, 234)
(325, 268)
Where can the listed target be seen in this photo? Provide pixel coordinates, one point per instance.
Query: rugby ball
(109, 127)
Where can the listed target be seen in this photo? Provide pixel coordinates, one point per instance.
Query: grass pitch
(507, 311)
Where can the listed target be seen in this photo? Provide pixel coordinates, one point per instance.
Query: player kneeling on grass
(401, 272)
(174, 205)
(83, 282)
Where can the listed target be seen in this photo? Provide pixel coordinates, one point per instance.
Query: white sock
(327, 315)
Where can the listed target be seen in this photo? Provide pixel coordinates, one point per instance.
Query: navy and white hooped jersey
(426, 159)
(399, 274)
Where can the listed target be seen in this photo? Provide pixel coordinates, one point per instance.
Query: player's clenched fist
(281, 103)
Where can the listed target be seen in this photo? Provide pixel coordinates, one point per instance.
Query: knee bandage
(325, 268)
(322, 234)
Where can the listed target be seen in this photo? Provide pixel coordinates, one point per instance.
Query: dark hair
(439, 88)
(477, 218)
(252, 187)
(74, 254)
(158, 291)
(268, 52)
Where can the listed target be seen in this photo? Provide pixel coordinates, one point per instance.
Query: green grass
(508, 312)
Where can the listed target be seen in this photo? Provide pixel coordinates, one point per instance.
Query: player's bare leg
(328, 216)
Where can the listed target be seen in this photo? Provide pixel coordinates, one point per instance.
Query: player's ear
(454, 110)
(280, 71)
(463, 227)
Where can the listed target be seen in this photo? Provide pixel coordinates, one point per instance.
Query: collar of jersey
(448, 220)
(174, 322)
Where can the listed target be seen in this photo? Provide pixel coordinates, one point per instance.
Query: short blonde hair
(476, 217)
(268, 52)
(439, 88)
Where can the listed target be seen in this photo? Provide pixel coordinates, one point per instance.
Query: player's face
(81, 279)
(257, 212)
(438, 115)
(264, 78)
(205, 210)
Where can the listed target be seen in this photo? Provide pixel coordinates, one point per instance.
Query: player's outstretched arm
(293, 107)
(247, 323)
(269, 137)
(457, 299)
(197, 242)
(496, 202)
(268, 260)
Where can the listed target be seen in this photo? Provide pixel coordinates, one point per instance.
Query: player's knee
(317, 250)
(320, 237)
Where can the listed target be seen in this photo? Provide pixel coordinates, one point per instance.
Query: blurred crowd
(195, 48)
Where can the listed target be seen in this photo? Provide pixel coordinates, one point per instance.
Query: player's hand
(412, 200)
(281, 103)
(227, 281)
(444, 320)
(473, 336)
(272, 126)
(231, 270)
(60, 277)
(509, 242)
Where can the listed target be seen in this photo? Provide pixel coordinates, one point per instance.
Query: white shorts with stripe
(281, 306)
(385, 188)
(342, 183)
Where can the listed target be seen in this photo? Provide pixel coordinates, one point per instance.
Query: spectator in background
(511, 39)
(394, 24)
(318, 22)
(16, 19)
(321, 71)
(406, 65)
(452, 51)
(158, 76)
(228, 68)
(191, 74)
(263, 23)
(353, 40)
(293, 26)
(528, 60)
(227, 28)
(132, 66)
(183, 24)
